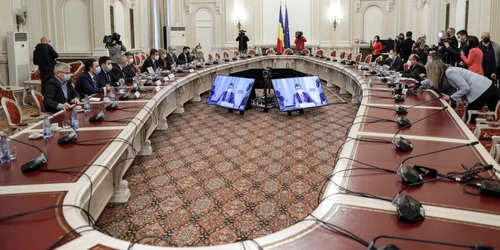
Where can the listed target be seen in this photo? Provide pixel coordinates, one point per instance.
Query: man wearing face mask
(130, 70)
(106, 77)
(172, 57)
(118, 69)
(416, 70)
(151, 61)
(300, 96)
(397, 62)
(227, 96)
(88, 83)
(462, 37)
(59, 93)
(44, 57)
(185, 57)
(376, 48)
(491, 55)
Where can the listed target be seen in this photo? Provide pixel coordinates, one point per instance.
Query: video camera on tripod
(108, 40)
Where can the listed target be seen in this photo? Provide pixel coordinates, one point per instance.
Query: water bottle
(137, 81)
(86, 104)
(158, 70)
(112, 94)
(75, 124)
(46, 127)
(4, 149)
(122, 88)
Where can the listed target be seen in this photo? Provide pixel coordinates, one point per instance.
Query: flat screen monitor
(230, 92)
(299, 93)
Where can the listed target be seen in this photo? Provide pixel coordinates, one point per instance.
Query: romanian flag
(280, 46)
(287, 30)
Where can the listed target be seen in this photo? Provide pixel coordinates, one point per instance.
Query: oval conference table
(95, 166)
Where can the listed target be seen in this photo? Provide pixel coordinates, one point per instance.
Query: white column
(495, 21)
(100, 25)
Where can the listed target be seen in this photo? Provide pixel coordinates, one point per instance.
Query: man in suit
(171, 57)
(88, 83)
(44, 57)
(416, 70)
(106, 77)
(130, 70)
(185, 57)
(397, 63)
(150, 61)
(300, 96)
(228, 95)
(59, 93)
(406, 46)
(118, 69)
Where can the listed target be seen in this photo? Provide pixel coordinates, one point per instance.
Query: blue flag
(287, 30)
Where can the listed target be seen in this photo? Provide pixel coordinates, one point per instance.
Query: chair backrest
(217, 54)
(334, 53)
(143, 57)
(75, 66)
(77, 74)
(12, 111)
(147, 55)
(406, 67)
(270, 51)
(379, 59)
(349, 56)
(137, 60)
(288, 51)
(358, 57)
(319, 52)
(226, 54)
(210, 57)
(342, 55)
(236, 53)
(251, 52)
(38, 97)
(305, 52)
(368, 59)
(7, 93)
(35, 75)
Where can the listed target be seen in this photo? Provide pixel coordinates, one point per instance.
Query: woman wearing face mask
(475, 59)
(421, 49)
(376, 48)
(162, 61)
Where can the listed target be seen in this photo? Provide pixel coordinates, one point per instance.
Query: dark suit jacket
(415, 71)
(129, 71)
(108, 78)
(53, 94)
(149, 62)
(86, 86)
(406, 46)
(224, 98)
(45, 57)
(297, 99)
(396, 64)
(117, 72)
(171, 59)
(183, 58)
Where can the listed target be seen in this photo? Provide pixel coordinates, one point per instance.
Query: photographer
(300, 41)
(421, 49)
(449, 41)
(462, 37)
(114, 46)
(243, 40)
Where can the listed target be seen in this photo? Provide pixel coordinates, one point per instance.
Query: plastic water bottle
(86, 104)
(122, 88)
(137, 81)
(75, 124)
(46, 127)
(157, 73)
(112, 94)
(4, 148)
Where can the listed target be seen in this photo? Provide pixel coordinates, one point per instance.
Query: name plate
(137, 94)
(158, 83)
(157, 88)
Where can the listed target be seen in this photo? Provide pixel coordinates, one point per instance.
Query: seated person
(162, 62)
(397, 62)
(171, 57)
(185, 57)
(227, 96)
(416, 68)
(130, 71)
(151, 61)
(300, 97)
(59, 93)
(88, 83)
(198, 53)
(106, 77)
(118, 69)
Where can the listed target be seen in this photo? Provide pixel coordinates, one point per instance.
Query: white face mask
(300, 91)
(156, 58)
(391, 56)
(131, 60)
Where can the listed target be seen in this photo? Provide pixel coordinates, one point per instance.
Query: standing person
(462, 37)
(491, 54)
(376, 48)
(399, 42)
(300, 41)
(476, 88)
(406, 46)
(45, 57)
(115, 47)
(421, 49)
(475, 59)
(242, 40)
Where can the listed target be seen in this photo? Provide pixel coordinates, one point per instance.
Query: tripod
(266, 74)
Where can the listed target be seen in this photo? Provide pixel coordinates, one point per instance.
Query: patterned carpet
(217, 177)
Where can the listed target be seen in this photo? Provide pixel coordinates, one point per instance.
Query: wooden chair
(270, 51)
(251, 52)
(288, 51)
(236, 53)
(77, 74)
(143, 57)
(319, 52)
(359, 57)
(38, 97)
(15, 118)
(225, 54)
(217, 54)
(349, 56)
(7, 93)
(305, 52)
(368, 59)
(75, 66)
(334, 53)
(35, 75)
(342, 55)
(484, 114)
(379, 59)
(210, 57)
(406, 67)
(137, 60)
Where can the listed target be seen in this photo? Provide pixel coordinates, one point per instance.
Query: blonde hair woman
(162, 62)
(478, 89)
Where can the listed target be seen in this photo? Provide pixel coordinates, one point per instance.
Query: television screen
(299, 93)
(230, 92)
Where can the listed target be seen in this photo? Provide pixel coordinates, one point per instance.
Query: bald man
(491, 54)
(44, 57)
(171, 57)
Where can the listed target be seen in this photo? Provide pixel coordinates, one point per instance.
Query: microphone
(112, 106)
(97, 117)
(411, 176)
(125, 96)
(67, 138)
(403, 111)
(393, 247)
(401, 143)
(35, 163)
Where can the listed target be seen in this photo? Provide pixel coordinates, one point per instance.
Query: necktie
(95, 82)
(107, 77)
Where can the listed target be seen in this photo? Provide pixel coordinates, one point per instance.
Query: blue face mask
(66, 77)
(173, 51)
(109, 67)
(98, 70)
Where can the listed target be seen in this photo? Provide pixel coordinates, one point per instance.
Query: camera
(108, 40)
(299, 34)
(242, 32)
